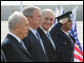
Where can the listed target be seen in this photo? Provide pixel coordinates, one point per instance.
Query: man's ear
(16, 27)
(29, 19)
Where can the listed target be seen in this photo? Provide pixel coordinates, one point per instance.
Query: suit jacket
(52, 54)
(34, 48)
(66, 47)
(14, 52)
(3, 58)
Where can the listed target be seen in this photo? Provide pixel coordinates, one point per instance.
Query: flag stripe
(78, 50)
(78, 57)
(76, 60)
(75, 52)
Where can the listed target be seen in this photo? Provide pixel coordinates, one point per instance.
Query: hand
(63, 21)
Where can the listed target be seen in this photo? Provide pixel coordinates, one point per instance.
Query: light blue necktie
(38, 37)
(49, 36)
(22, 44)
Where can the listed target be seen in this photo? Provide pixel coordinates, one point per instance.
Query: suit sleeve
(56, 28)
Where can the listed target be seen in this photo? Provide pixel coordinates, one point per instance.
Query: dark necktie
(72, 45)
(71, 39)
(72, 42)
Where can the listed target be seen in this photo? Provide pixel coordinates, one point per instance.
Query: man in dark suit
(36, 46)
(50, 45)
(13, 46)
(64, 40)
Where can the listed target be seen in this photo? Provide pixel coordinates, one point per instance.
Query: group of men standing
(31, 38)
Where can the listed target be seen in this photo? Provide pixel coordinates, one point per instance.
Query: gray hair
(15, 18)
(44, 10)
(28, 11)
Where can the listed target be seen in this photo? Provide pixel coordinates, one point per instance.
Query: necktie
(22, 44)
(48, 35)
(72, 43)
(71, 39)
(39, 39)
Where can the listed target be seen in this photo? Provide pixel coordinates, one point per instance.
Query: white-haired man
(13, 46)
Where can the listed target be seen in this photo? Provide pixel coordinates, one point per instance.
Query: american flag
(78, 51)
(56, 15)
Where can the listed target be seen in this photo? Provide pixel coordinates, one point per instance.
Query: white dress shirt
(66, 33)
(17, 38)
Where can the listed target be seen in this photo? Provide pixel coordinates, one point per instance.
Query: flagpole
(21, 6)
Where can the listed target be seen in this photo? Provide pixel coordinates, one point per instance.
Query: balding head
(14, 18)
(47, 11)
(18, 24)
(48, 19)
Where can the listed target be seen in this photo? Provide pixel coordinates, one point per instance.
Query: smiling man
(51, 48)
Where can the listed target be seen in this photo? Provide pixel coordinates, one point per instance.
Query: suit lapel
(72, 38)
(18, 45)
(45, 39)
(31, 35)
(25, 51)
(35, 41)
(67, 39)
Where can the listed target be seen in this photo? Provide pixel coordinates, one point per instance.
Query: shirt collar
(34, 31)
(18, 39)
(66, 32)
(44, 30)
